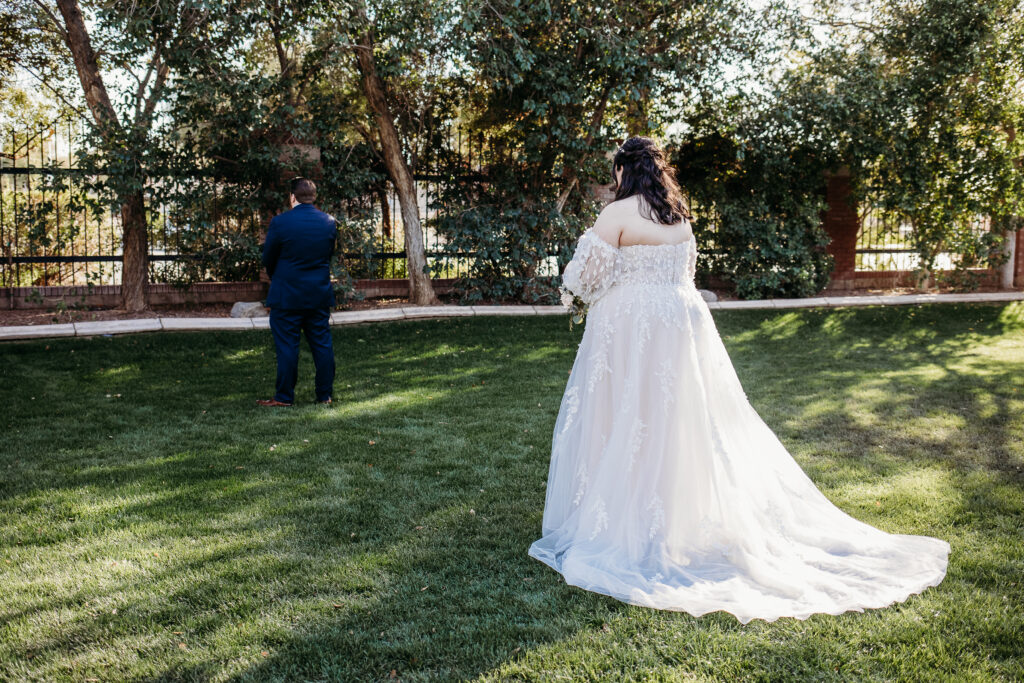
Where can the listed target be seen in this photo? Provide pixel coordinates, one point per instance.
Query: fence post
(842, 224)
(1008, 270)
(1018, 259)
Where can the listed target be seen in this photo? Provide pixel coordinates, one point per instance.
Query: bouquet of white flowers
(576, 305)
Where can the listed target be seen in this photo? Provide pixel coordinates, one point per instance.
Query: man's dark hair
(304, 190)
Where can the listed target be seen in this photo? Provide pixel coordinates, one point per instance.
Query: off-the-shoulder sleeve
(592, 269)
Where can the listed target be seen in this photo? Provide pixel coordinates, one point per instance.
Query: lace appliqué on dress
(583, 479)
(572, 406)
(599, 363)
(636, 439)
(657, 509)
(593, 268)
(666, 379)
(600, 515)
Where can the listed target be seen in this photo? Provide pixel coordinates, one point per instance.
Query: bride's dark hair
(646, 172)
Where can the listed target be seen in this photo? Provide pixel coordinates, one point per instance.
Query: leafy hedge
(758, 206)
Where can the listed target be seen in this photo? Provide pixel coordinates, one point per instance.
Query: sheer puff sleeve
(592, 269)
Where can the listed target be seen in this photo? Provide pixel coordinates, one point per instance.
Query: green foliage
(355, 236)
(924, 102)
(758, 200)
(518, 245)
(555, 86)
(216, 256)
(767, 253)
(22, 115)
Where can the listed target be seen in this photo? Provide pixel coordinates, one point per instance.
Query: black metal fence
(884, 242)
(68, 246)
(59, 227)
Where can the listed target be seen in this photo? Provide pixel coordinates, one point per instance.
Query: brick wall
(110, 295)
(1018, 266)
(842, 224)
(603, 193)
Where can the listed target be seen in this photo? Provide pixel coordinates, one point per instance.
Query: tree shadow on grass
(914, 370)
(341, 488)
(358, 559)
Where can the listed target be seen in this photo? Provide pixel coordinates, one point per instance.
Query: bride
(666, 489)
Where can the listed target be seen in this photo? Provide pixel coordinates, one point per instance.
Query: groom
(297, 256)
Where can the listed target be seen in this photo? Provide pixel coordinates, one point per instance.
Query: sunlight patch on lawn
(919, 496)
(836, 322)
(785, 326)
(936, 426)
(401, 399)
(244, 354)
(1012, 315)
(130, 371)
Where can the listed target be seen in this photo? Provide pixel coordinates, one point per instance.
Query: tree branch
(80, 44)
(61, 30)
(162, 71)
(60, 96)
(595, 125)
(365, 133)
(275, 30)
(141, 90)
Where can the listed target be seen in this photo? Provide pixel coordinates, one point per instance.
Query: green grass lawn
(156, 524)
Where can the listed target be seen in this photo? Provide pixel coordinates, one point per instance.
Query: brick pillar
(1018, 266)
(842, 224)
(603, 193)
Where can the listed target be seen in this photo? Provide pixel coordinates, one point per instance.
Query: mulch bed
(44, 316)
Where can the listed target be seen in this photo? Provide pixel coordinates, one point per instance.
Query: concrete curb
(111, 327)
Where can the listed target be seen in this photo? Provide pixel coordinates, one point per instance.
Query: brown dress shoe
(272, 403)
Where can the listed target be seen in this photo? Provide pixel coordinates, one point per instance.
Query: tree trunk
(135, 269)
(421, 289)
(638, 119)
(385, 209)
(135, 238)
(76, 36)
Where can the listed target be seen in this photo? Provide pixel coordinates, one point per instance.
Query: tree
(141, 44)
(556, 85)
(757, 186)
(398, 54)
(375, 89)
(923, 99)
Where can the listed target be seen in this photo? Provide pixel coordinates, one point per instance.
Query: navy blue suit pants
(286, 326)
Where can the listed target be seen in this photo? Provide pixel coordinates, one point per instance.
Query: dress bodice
(662, 264)
(597, 266)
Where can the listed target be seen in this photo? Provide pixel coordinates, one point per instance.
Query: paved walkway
(110, 327)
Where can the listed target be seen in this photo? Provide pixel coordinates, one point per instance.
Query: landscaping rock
(708, 295)
(249, 309)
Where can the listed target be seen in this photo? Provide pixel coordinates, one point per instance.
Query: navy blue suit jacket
(297, 256)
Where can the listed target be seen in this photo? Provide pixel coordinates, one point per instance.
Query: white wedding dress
(667, 490)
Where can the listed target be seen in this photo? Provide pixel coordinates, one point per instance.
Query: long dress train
(667, 490)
